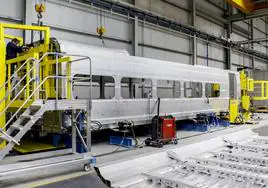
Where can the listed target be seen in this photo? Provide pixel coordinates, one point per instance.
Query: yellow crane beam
(245, 6)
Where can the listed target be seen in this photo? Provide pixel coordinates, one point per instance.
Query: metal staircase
(28, 88)
(21, 121)
(19, 128)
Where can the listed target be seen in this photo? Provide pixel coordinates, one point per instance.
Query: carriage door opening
(234, 102)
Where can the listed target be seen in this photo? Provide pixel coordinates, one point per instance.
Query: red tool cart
(163, 130)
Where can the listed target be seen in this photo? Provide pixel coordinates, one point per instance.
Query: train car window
(168, 89)
(103, 87)
(193, 89)
(109, 90)
(132, 88)
(212, 90)
(80, 90)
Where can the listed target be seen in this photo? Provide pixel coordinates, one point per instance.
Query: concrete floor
(84, 181)
(109, 153)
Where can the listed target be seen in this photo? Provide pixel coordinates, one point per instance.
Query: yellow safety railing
(47, 64)
(20, 39)
(19, 72)
(31, 72)
(3, 36)
(260, 90)
(36, 91)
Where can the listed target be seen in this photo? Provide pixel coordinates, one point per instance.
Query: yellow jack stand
(241, 112)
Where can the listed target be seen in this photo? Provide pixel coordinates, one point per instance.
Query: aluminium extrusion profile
(232, 165)
(169, 181)
(249, 159)
(250, 148)
(222, 173)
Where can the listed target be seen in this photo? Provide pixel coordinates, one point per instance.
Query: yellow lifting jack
(240, 111)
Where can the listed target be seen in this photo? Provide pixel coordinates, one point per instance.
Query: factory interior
(134, 93)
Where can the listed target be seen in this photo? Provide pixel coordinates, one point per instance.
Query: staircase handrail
(44, 80)
(25, 102)
(13, 75)
(36, 63)
(16, 85)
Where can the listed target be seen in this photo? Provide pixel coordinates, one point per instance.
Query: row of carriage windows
(103, 87)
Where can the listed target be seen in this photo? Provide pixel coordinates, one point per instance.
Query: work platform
(35, 88)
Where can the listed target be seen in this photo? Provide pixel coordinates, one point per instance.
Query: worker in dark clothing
(13, 48)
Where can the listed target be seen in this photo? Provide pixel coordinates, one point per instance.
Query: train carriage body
(127, 87)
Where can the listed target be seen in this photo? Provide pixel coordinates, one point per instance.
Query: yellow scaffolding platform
(26, 68)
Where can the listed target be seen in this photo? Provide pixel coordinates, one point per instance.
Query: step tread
(36, 106)
(17, 126)
(26, 115)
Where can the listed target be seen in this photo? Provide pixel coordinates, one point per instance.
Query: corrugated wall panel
(209, 27)
(165, 55)
(12, 8)
(150, 36)
(167, 9)
(78, 23)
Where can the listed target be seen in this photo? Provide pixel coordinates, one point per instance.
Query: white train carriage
(127, 87)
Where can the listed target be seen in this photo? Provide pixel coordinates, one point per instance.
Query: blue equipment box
(121, 141)
(210, 121)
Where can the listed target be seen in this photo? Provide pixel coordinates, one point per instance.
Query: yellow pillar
(2, 77)
(47, 71)
(266, 92)
(9, 81)
(234, 111)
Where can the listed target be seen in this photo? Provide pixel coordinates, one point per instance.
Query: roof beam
(258, 40)
(241, 16)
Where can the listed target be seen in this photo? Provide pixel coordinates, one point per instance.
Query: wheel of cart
(160, 143)
(87, 167)
(148, 141)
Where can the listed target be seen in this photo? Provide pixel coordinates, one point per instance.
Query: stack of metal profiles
(237, 160)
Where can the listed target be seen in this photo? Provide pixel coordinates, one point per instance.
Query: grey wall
(77, 22)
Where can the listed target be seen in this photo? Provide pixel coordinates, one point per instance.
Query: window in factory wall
(103, 87)
(168, 89)
(193, 89)
(132, 88)
(212, 90)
